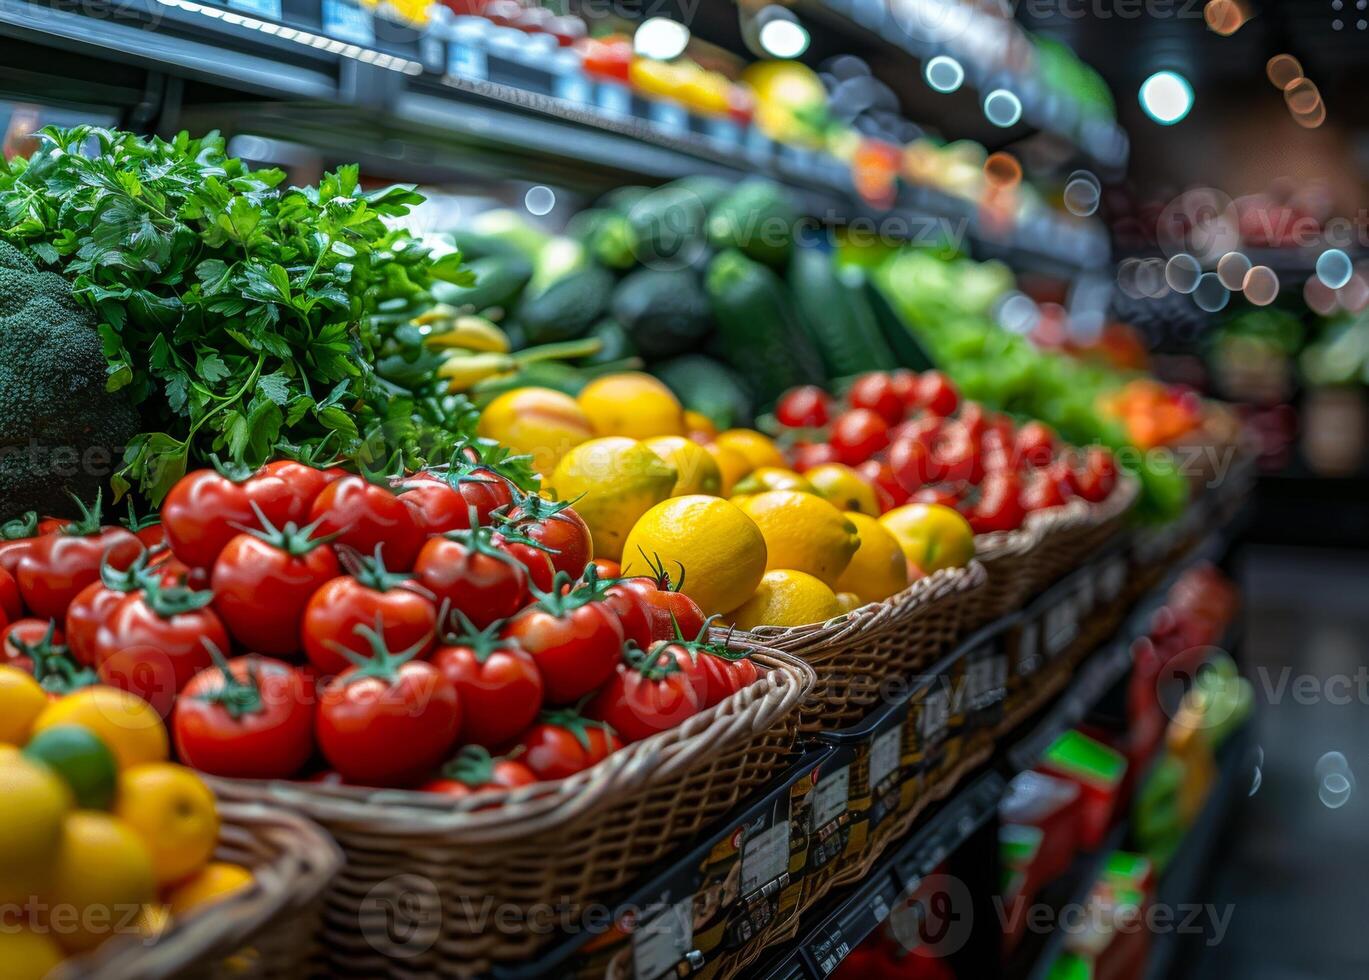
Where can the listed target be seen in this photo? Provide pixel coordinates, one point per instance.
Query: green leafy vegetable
(239, 315)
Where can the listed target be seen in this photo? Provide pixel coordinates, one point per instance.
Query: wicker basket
(434, 886)
(856, 656)
(268, 931)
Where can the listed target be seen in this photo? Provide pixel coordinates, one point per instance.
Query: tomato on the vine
(1095, 476)
(531, 554)
(575, 638)
(556, 526)
(805, 407)
(806, 455)
(1042, 490)
(649, 693)
(497, 681)
(436, 507)
(59, 565)
(607, 568)
(936, 393)
(628, 598)
(16, 537)
(469, 571)
(246, 718)
(714, 674)
(22, 637)
(371, 597)
(673, 614)
(208, 508)
(94, 604)
(904, 384)
(263, 581)
(857, 435)
(998, 506)
(362, 515)
(303, 484)
(156, 640)
(565, 742)
(879, 474)
(390, 721)
(11, 605)
(1034, 444)
(474, 770)
(877, 392)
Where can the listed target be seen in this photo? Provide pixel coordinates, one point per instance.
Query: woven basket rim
(304, 861)
(495, 816)
(936, 587)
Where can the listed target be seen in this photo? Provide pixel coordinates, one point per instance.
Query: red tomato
(877, 392)
(888, 490)
(904, 383)
(628, 600)
(945, 494)
(23, 637)
(16, 536)
(247, 718)
(805, 456)
(468, 571)
(675, 608)
(498, 683)
(1035, 444)
(999, 505)
(58, 566)
(156, 640)
(93, 606)
(936, 393)
(946, 454)
(303, 484)
(744, 673)
(807, 407)
(607, 568)
(474, 771)
(1041, 491)
(364, 516)
(857, 435)
(646, 695)
(208, 508)
(711, 676)
(371, 597)
(555, 526)
(263, 582)
(576, 639)
(390, 722)
(1094, 477)
(437, 508)
(11, 605)
(532, 555)
(563, 743)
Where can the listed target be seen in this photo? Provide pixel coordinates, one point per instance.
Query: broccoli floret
(60, 430)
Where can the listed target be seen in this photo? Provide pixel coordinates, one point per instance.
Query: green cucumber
(665, 312)
(499, 279)
(907, 348)
(567, 308)
(837, 316)
(708, 387)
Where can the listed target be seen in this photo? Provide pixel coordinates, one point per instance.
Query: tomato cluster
(916, 440)
(444, 630)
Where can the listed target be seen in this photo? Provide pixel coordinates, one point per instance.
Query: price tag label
(669, 116)
(432, 53)
(1060, 626)
(884, 756)
(1029, 658)
(467, 61)
(659, 944)
(829, 951)
(830, 797)
(348, 22)
(573, 87)
(765, 858)
(978, 681)
(269, 9)
(615, 99)
(936, 715)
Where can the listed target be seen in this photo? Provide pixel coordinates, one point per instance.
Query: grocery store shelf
(453, 101)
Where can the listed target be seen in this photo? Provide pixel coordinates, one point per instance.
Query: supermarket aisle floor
(1296, 870)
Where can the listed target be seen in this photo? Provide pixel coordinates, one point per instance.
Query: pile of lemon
(759, 543)
(99, 835)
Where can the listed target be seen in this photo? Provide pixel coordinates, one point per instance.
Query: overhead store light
(1166, 97)
(781, 34)
(660, 38)
(1002, 108)
(944, 73)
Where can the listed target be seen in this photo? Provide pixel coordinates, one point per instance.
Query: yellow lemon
(803, 532)
(721, 549)
(699, 426)
(849, 601)
(931, 536)
(214, 883)
(731, 464)
(617, 480)
(125, 722)
(632, 404)
(758, 449)
(878, 569)
(27, 955)
(843, 488)
(765, 478)
(698, 473)
(787, 597)
(539, 422)
(33, 804)
(103, 876)
(22, 700)
(173, 811)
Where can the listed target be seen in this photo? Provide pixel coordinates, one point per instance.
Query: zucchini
(907, 348)
(567, 308)
(757, 329)
(665, 312)
(499, 279)
(757, 218)
(837, 317)
(709, 387)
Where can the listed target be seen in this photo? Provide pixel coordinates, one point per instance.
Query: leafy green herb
(239, 314)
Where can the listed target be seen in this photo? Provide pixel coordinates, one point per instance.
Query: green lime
(82, 760)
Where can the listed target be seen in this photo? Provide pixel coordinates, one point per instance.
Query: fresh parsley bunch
(238, 313)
